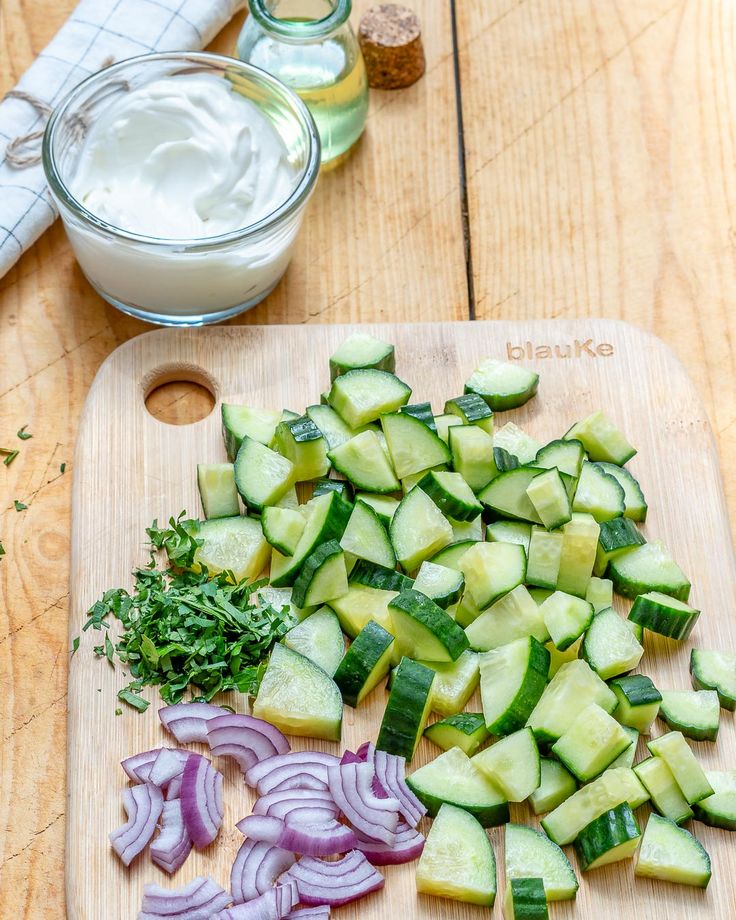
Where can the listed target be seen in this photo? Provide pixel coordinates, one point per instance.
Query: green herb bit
(19, 506)
(23, 434)
(75, 644)
(62, 468)
(11, 455)
(118, 712)
(131, 699)
(177, 539)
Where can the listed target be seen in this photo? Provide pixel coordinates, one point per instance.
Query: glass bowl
(181, 282)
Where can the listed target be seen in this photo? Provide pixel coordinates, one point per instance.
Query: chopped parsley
(23, 434)
(75, 644)
(19, 506)
(10, 455)
(2, 548)
(62, 468)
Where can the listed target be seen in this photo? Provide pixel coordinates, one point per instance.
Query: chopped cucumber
(516, 442)
(367, 538)
(457, 861)
(556, 784)
(283, 528)
(327, 517)
(711, 670)
(454, 682)
(609, 646)
(601, 439)
(599, 593)
(365, 663)
(611, 837)
(424, 630)
(364, 395)
(557, 658)
(289, 500)
(452, 495)
(688, 773)
(638, 701)
(360, 605)
(492, 570)
(512, 679)
(472, 455)
(412, 445)
(545, 553)
(298, 697)
(361, 350)
(472, 409)
(240, 422)
(506, 494)
(418, 530)
(648, 568)
(261, 475)
(572, 688)
(465, 730)
(510, 532)
(635, 506)
(566, 618)
(234, 544)
(598, 494)
(303, 443)
(514, 616)
(467, 530)
(512, 764)
(373, 575)
(443, 424)
(525, 900)
(384, 505)
(696, 713)
(503, 386)
(529, 854)
(216, 482)
(442, 584)
(407, 709)
(580, 541)
(672, 854)
(663, 614)
(591, 743)
(453, 778)
(719, 809)
(325, 485)
(627, 757)
(549, 497)
(318, 638)
(663, 790)
(332, 427)
(451, 555)
(616, 537)
(566, 456)
(423, 412)
(591, 801)
(363, 461)
(323, 576)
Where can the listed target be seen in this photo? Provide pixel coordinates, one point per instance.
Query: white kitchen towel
(98, 33)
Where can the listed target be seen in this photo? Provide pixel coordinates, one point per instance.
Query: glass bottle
(310, 46)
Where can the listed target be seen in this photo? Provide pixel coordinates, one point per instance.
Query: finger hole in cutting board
(179, 394)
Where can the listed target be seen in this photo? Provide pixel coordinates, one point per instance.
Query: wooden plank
(599, 145)
(382, 239)
(130, 468)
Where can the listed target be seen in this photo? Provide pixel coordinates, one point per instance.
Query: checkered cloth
(97, 33)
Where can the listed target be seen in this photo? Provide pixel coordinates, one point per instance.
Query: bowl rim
(292, 203)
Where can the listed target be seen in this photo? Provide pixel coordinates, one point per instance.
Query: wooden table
(587, 170)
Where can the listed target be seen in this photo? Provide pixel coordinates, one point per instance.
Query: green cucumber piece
(472, 410)
(615, 537)
(451, 555)
(318, 638)
(465, 730)
(467, 530)
(545, 554)
(408, 706)
(515, 615)
(566, 456)
(261, 475)
(418, 530)
(711, 670)
(343, 489)
(638, 701)
(549, 497)
(365, 663)
(580, 541)
(627, 757)
(672, 854)
(510, 532)
(384, 505)
(303, 443)
(323, 576)
(283, 528)
(361, 350)
(442, 584)
(364, 395)
(525, 900)
(678, 756)
(216, 484)
(601, 439)
(663, 614)
(506, 494)
(363, 461)
(239, 422)
(234, 544)
(556, 784)
(566, 618)
(373, 575)
(423, 412)
(719, 809)
(591, 801)
(512, 763)
(599, 593)
(557, 658)
(332, 428)
(472, 455)
(572, 688)
(529, 854)
(609, 838)
(665, 794)
(512, 680)
(516, 442)
(424, 630)
(591, 743)
(609, 646)
(298, 697)
(648, 568)
(454, 682)
(635, 506)
(452, 495)
(598, 494)
(288, 500)
(452, 778)
(412, 445)
(443, 423)
(696, 713)
(457, 861)
(492, 570)
(360, 605)
(366, 538)
(503, 386)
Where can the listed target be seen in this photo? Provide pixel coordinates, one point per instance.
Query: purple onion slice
(132, 765)
(199, 900)
(173, 844)
(284, 802)
(201, 800)
(168, 764)
(295, 770)
(143, 805)
(274, 904)
(391, 772)
(351, 785)
(407, 846)
(262, 828)
(173, 790)
(187, 722)
(328, 838)
(311, 913)
(366, 752)
(336, 882)
(246, 739)
(247, 878)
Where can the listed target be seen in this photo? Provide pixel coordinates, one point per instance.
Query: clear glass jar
(181, 282)
(310, 46)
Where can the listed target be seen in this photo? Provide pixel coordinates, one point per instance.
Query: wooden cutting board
(131, 468)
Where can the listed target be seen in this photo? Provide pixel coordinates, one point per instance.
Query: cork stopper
(390, 37)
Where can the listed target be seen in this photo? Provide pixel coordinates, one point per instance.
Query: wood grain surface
(130, 468)
(599, 153)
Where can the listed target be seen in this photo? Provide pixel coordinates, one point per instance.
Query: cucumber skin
(424, 610)
(650, 615)
(334, 524)
(312, 564)
(638, 689)
(401, 727)
(701, 682)
(527, 899)
(634, 589)
(611, 829)
(466, 724)
(341, 486)
(362, 656)
(372, 575)
(530, 692)
(423, 412)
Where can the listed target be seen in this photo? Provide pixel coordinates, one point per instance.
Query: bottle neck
(300, 20)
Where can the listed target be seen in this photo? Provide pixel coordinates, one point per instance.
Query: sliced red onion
(271, 905)
(296, 770)
(256, 868)
(173, 844)
(328, 838)
(348, 757)
(352, 790)
(391, 772)
(201, 800)
(187, 722)
(198, 900)
(285, 802)
(407, 846)
(366, 752)
(143, 805)
(173, 790)
(132, 765)
(336, 882)
(168, 764)
(261, 828)
(311, 913)
(246, 739)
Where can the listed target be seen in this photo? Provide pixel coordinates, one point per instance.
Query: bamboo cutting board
(131, 468)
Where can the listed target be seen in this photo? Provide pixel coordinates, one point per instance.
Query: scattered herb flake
(75, 644)
(23, 434)
(11, 455)
(109, 650)
(118, 712)
(131, 699)
(2, 548)
(19, 506)
(62, 468)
